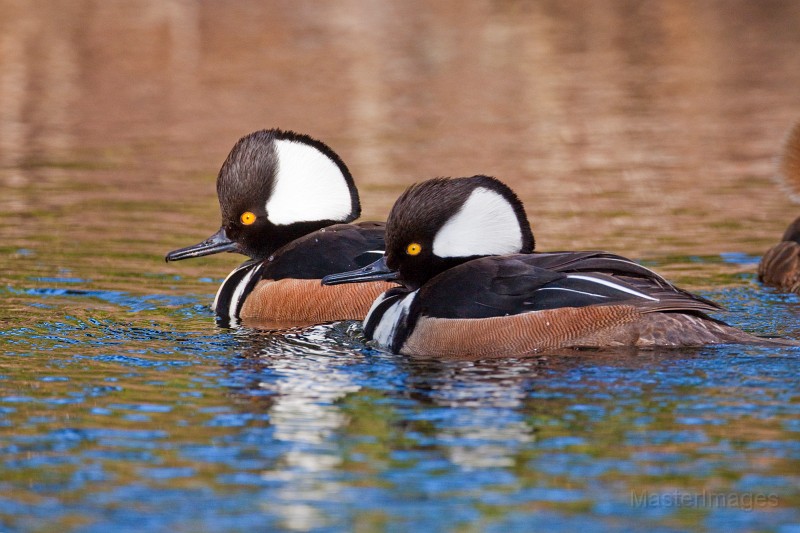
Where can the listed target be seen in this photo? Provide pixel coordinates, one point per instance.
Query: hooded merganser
(285, 200)
(461, 249)
(780, 266)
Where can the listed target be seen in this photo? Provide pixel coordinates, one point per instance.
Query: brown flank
(307, 301)
(569, 327)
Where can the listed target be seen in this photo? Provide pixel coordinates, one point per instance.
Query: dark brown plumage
(780, 265)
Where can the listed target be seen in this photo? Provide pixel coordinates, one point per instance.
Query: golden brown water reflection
(646, 128)
(649, 128)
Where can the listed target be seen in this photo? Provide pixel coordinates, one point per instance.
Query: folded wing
(508, 285)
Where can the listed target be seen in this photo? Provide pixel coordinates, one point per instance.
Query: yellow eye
(413, 249)
(247, 218)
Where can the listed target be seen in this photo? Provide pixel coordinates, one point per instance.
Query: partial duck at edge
(780, 265)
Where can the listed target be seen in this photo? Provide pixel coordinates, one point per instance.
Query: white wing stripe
(572, 290)
(612, 285)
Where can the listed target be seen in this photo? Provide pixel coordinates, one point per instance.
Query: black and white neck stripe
(233, 292)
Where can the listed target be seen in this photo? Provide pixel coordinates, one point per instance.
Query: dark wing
(509, 285)
(334, 249)
(621, 269)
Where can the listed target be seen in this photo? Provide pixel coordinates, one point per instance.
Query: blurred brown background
(649, 128)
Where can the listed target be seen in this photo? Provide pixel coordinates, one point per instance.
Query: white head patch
(485, 225)
(308, 186)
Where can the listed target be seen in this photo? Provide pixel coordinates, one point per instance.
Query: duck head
(274, 187)
(438, 224)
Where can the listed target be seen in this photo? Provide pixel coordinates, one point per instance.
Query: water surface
(645, 128)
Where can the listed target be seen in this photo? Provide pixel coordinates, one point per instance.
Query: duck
(470, 284)
(780, 265)
(287, 202)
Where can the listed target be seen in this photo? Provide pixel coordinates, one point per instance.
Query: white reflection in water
(491, 443)
(304, 414)
(487, 425)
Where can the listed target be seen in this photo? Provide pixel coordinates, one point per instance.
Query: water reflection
(365, 428)
(643, 127)
(311, 429)
(623, 107)
(303, 375)
(484, 425)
